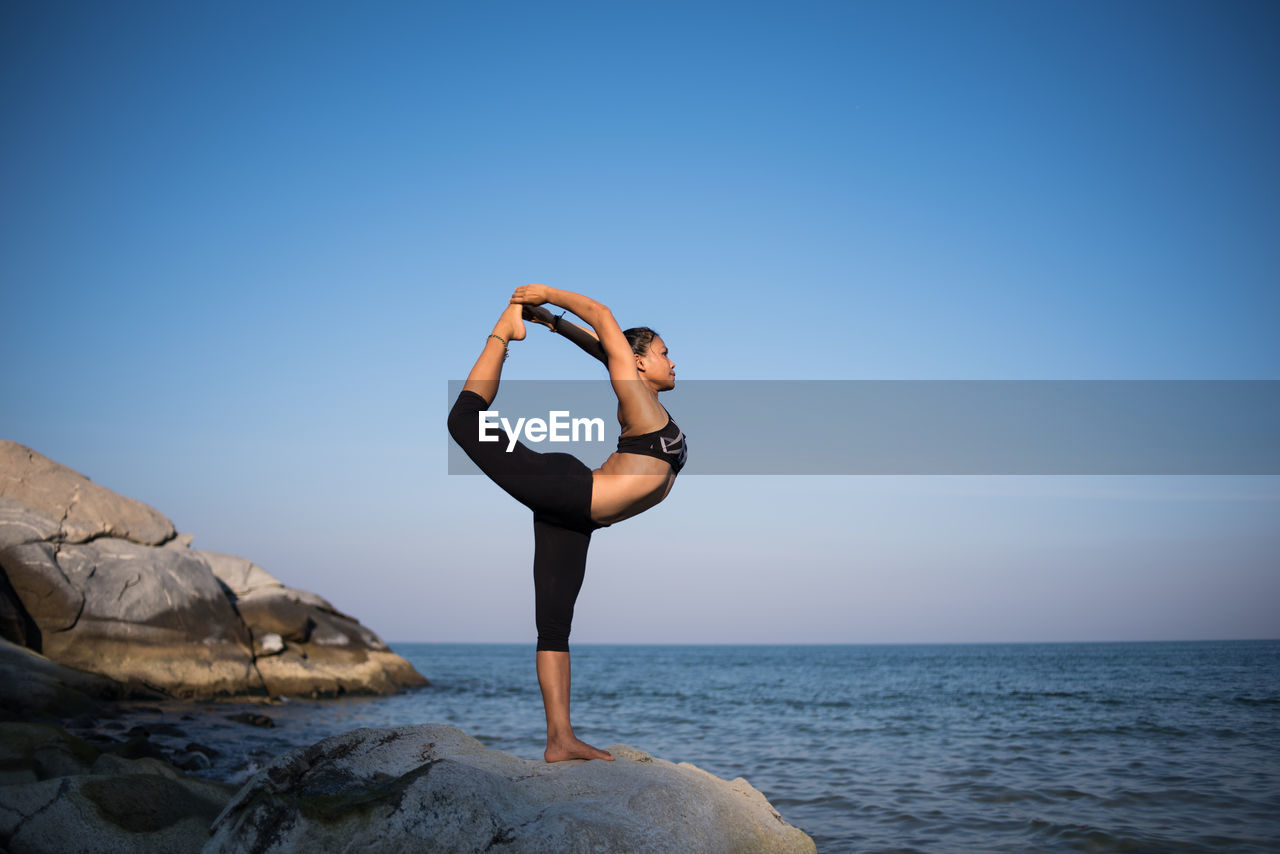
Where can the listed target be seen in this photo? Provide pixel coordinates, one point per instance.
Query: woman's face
(656, 365)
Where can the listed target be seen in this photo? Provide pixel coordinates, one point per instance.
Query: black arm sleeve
(584, 339)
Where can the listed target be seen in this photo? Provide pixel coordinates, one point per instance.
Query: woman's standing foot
(573, 748)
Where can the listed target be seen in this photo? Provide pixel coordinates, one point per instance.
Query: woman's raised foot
(510, 325)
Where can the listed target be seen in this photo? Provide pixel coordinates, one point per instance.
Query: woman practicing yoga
(569, 500)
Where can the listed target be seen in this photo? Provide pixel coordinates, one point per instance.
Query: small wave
(1083, 837)
(987, 794)
(828, 801)
(1035, 695)
(1126, 798)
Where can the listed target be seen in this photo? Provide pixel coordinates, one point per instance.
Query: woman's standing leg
(559, 564)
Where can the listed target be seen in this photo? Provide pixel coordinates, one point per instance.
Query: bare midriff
(627, 484)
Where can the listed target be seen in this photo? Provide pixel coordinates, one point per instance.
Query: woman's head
(640, 337)
(652, 359)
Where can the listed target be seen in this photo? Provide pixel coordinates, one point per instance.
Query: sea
(1135, 747)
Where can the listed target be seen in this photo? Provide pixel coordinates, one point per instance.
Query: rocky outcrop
(431, 788)
(302, 644)
(135, 613)
(103, 583)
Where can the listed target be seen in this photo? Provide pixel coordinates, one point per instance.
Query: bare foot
(510, 325)
(574, 749)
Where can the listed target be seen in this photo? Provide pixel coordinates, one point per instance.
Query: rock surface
(302, 644)
(80, 509)
(33, 688)
(103, 583)
(59, 793)
(138, 614)
(431, 788)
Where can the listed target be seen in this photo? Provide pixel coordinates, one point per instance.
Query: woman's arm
(616, 351)
(638, 408)
(584, 338)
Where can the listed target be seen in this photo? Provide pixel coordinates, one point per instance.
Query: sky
(244, 248)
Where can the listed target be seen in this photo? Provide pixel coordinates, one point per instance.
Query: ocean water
(959, 748)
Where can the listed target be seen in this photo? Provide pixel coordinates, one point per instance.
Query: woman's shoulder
(651, 421)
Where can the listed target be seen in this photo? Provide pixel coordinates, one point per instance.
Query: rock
(180, 541)
(191, 761)
(97, 581)
(252, 719)
(59, 793)
(20, 524)
(33, 688)
(241, 576)
(431, 788)
(83, 510)
(16, 624)
(89, 814)
(142, 615)
(269, 644)
(32, 752)
(321, 651)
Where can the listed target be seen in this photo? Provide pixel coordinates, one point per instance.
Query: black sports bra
(665, 444)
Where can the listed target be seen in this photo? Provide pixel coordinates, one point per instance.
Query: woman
(569, 500)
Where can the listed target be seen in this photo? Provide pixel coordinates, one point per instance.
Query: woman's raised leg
(487, 371)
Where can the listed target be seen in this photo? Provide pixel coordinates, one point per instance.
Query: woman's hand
(531, 295)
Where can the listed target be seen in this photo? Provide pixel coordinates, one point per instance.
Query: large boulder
(431, 788)
(100, 582)
(82, 509)
(135, 613)
(34, 688)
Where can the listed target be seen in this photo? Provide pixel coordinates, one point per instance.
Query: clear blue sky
(244, 247)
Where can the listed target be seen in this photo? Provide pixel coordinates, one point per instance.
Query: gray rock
(82, 509)
(240, 576)
(34, 688)
(321, 651)
(53, 602)
(143, 615)
(431, 788)
(92, 814)
(20, 524)
(60, 793)
(16, 624)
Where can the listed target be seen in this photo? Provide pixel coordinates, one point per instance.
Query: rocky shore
(105, 608)
(103, 583)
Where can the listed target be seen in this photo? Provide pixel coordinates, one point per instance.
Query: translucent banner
(893, 427)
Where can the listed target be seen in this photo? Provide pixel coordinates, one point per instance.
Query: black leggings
(557, 488)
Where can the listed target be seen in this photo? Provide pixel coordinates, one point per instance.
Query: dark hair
(640, 337)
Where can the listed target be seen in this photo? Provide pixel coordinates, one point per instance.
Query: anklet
(505, 351)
